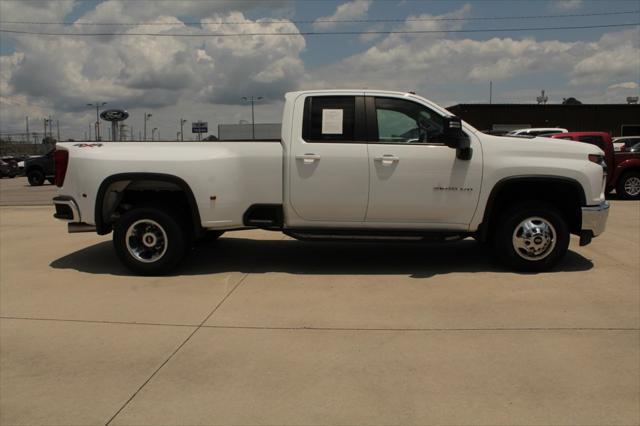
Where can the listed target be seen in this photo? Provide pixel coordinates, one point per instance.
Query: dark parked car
(8, 168)
(40, 169)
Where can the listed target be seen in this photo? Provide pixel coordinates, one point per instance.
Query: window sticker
(332, 121)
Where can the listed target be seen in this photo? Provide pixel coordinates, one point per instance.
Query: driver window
(401, 121)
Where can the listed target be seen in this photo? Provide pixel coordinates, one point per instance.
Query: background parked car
(8, 169)
(624, 143)
(39, 169)
(635, 148)
(537, 131)
(623, 168)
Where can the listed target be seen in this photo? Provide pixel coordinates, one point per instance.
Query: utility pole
(58, 129)
(45, 128)
(97, 105)
(27, 129)
(146, 117)
(182, 121)
(253, 122)
(89, 132)
(490, 92)
(153, 134)
(50, 127)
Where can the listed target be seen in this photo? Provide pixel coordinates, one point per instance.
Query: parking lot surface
(18, 192)
(257, 328)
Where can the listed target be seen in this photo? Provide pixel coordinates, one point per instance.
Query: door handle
(387, 159)
(308, 158)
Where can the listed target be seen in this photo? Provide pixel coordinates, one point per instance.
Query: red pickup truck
(623, 168)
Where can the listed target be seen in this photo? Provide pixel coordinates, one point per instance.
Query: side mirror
(455, 138)
(453, 135)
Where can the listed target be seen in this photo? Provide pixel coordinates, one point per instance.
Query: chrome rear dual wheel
(151, 240)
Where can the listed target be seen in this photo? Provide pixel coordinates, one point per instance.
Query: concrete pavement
(18, 192)
(260, 329)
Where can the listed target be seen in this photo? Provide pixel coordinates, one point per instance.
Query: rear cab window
(333, 119)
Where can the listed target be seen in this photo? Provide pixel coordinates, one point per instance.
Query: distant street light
(97, 105)
(153, 133)
(182, 121)
(253, 122)
(146, 118)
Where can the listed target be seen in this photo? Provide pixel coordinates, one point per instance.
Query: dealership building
(617, 119)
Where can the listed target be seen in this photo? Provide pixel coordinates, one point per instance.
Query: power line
(314, 33)
(337, 21)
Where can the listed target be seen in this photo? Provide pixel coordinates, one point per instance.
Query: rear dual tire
(151, 240)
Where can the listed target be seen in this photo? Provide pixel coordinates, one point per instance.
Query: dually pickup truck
(350, 165)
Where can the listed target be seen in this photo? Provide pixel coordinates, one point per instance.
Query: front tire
(35, 178)
(150, 241)
(531, 237)
(629, 186)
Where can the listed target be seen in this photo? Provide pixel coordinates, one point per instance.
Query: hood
(561, 147)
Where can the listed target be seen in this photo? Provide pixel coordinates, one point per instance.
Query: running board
(346, 236)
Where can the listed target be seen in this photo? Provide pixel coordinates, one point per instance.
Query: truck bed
(226, 177)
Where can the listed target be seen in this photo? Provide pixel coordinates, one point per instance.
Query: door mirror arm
(464, 154)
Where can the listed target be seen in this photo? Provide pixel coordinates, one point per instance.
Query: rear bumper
(594, 221)
(67, 210)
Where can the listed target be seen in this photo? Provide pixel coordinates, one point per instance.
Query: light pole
(153, 133)
(182, 121)
(97, 105)
(146, 118)
(253, 122)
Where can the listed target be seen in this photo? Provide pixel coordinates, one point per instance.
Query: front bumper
(594, 221)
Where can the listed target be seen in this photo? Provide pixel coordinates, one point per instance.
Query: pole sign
(114, 115)
(199, 127)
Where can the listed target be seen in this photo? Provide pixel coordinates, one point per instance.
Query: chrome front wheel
(534, 238)
(531, 236)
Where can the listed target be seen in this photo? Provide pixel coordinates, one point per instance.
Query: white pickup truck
(350, 165)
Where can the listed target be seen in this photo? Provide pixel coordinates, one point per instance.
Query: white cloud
(625, 85)
(355, 9)
(35, 10)
(430, 62)
(64, 73)
(566, 5)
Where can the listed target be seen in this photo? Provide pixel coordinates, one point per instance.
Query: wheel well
(121, 193)
(564, 194)
(629, 170)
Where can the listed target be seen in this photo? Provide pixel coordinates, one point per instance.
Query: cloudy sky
(189, 73)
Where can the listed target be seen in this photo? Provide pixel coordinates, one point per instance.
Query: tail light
(61, 160)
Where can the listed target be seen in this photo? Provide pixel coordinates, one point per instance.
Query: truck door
(415, 178)
(328, 164)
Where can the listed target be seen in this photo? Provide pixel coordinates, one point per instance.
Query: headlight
(598, 159)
